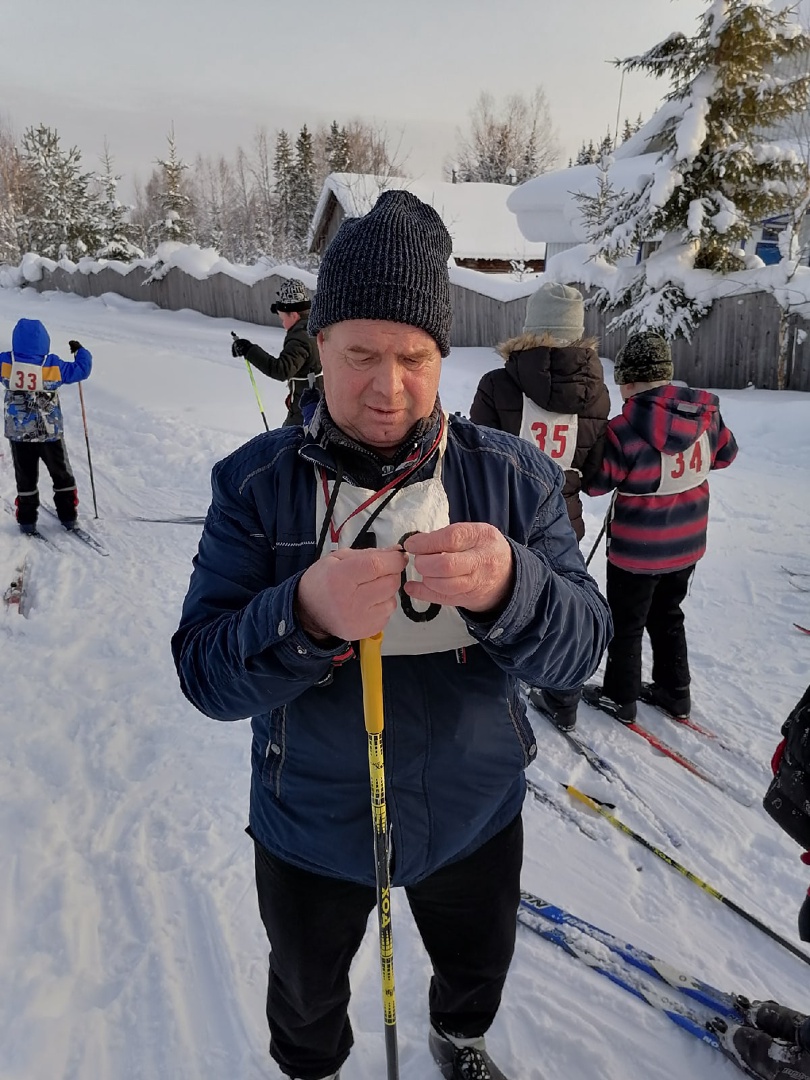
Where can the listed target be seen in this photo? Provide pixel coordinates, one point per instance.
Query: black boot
(462, 1059)
(759, 1055)
(562, 716)
(774, 1019)
(594, 695)
(677, 704)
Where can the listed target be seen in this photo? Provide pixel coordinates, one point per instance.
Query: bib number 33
(26, 377)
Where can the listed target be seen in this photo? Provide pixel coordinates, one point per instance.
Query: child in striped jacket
(658, 455)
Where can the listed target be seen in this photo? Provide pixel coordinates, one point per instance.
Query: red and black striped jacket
(658, 453)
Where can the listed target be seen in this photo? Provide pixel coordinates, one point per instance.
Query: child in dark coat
(658, 455)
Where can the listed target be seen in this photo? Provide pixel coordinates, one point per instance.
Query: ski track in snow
(132, 944)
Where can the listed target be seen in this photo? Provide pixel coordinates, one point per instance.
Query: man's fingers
(369, 564)
(456, 537)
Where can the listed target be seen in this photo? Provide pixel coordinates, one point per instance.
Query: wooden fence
(735, 346)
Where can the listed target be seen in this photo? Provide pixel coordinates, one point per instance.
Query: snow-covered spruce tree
(175, 202)
(284, 222)
(336, 149)
(304, 195)
(118, 240)
(717, 175)
(59, 214)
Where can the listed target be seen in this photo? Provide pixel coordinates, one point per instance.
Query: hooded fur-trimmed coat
(561, 379)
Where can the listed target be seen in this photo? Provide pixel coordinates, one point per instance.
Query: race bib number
(27, 377)
(554, 434)
(687, 469)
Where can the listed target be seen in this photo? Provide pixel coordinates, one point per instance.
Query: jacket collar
(327, 445)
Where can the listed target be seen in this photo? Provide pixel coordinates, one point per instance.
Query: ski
(695, 1021)
(15, 597)
(803, 629)
(692, 725)
(533, 912)
(562, 811)
(796, 573)
(610, 772)
(81, 534)
(181, 519)
(743, 798)
(36, 534)
(685, 763)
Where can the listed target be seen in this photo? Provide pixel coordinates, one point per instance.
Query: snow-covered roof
(546, 207)
(476, 215)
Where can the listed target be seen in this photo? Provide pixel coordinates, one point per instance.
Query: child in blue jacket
(32, 376)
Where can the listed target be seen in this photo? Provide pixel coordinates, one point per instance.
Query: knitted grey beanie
(390, 265)
(557, 310)
(645, 357)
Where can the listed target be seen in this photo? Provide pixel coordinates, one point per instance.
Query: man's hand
(74, 346)
(350, 594)
(240, 346)
(468, 565)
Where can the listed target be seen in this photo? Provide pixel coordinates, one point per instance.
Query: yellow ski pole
(371, 675)
(595, 804)
(255, 388)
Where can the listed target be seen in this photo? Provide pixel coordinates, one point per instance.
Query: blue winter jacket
(34, 414)
(456, 738)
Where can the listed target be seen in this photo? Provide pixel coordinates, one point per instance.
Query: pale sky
(218, 70)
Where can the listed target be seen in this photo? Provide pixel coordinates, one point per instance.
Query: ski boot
(759, 1055)
(462, 1059)
(563, 717)
(594, 695)
(678, 704)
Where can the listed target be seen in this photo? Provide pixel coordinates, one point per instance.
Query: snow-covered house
(486, 235)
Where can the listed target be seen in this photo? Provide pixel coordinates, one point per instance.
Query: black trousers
(652, 602)
(465, 914)
(26, 457)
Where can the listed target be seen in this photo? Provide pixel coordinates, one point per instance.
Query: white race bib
(27, 377)
(420, 507)
(687, 469)
(554, 434)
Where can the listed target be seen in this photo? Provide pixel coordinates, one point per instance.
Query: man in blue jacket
(386, 515)
(32, 376)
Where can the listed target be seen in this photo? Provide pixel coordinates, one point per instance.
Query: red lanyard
(334, 531)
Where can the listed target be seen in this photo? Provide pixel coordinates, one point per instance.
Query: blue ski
(533, 910)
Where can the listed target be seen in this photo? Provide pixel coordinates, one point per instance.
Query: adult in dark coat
(551, 391)
(554, 368)
(298, 364)
(304, 552)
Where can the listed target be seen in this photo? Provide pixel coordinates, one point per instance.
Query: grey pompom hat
(389, 265)
(558, 310)
(644, 357)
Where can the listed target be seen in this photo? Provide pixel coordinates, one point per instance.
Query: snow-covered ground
(131, 943)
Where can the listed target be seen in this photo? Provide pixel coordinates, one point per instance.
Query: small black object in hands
(74, 346)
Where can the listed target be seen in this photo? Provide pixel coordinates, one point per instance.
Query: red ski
(803, 629)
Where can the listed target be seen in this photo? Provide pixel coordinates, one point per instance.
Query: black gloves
(240, 346)
(74, 346)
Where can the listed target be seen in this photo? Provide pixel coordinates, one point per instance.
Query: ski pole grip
(371, 673)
